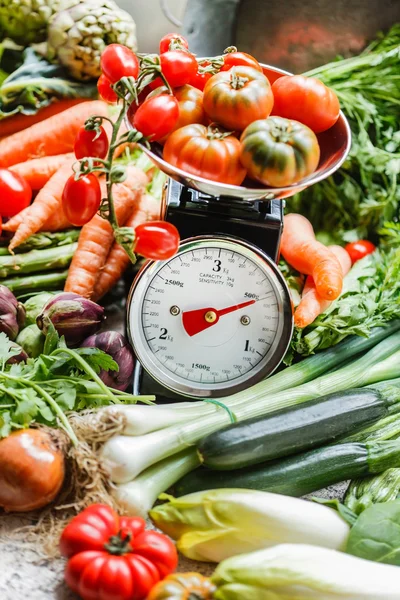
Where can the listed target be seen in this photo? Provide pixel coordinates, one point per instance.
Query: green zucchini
(301, 474)
(292, 430)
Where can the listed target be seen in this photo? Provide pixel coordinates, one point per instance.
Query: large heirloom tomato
(237, 97)
(307, 100)
(279, 152)
(183, 586)
(206, 152)
(114, 557)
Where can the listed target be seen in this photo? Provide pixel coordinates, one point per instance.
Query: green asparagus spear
(39, 241)
(36, 283)
(37, 261)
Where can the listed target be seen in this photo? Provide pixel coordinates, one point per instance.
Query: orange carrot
(312, 305)
(47, 203)
(96, 237)
(57, 222)
(15, 222)
(308, 256)
(55, 135)
(147, 209)
(18, 122)
(38, 171)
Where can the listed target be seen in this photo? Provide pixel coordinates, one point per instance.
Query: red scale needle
(194, 321)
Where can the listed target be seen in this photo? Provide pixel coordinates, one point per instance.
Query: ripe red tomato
(237, 97)
(173, 41)
(91, 143)
(178, 67)
(357, 250)
(157, 116)
(156, 83)
(191, 109)
(204, 152)
(15, 193)
(118, 61)
(114, 557)
(81, 199)
(234, 59)
(157, 240)
(105, 90)
(200, 79)
(307, 100)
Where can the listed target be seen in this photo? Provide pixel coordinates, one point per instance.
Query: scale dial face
(211, 321)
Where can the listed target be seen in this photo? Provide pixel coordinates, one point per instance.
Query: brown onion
(32, 469)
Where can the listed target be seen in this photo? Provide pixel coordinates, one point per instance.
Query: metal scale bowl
(334, 144)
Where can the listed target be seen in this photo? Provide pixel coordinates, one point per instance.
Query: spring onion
(127, 456)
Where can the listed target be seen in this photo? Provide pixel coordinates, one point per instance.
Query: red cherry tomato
(156, 83)
(173, 41)
(90, 143)
(105, 90)
(141, 98)
(157, 240)
(200, 79)
(15, 193)
(178, 67)
(307, 100)
(81, 199)
(357, 250)
(157, 116)
(1, 226)
(118, 61)
(234, 59)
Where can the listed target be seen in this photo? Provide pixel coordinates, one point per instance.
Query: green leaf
(45, 411)
(5, 423)
(26, 409)
(65, 395)
(376, 534)
(52, 338)
(36, 83)
(347, 515)
(6, 349)
(98, 359)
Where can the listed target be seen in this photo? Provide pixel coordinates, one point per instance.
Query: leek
(141, 420)
(128, 456)
(297, 571)
(214, 525)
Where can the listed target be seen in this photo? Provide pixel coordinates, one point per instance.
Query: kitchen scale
(217, 317)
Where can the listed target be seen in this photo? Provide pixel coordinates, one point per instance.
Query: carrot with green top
(55, 135)
(97, 236)
(308, 256)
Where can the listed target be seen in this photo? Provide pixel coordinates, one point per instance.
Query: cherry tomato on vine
(157, 116)
(105, 90)
(91, 143)
(157, 240)
(118, 61)
(307, 100)
(156, 83)
(134, 106)
(173, 41)
(357, 250)
(15, 193)
(178, 67)
(235, 59)
(81, 199)
(200, 79)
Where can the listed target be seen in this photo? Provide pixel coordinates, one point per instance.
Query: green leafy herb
(33, 83)
(376, 534)
(365, 191)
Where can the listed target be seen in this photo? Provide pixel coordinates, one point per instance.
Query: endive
(302, 572)
(214, 525)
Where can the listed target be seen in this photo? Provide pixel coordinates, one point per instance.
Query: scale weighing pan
(334, 144)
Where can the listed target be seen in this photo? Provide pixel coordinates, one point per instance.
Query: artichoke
(31, 340)
(114, 344)
(26, 21)
(78, 35)
(12, 313)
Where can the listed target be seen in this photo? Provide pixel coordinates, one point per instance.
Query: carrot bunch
(325, 267)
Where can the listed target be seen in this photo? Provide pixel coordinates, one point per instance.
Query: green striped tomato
(237, 97)
(279, 152)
